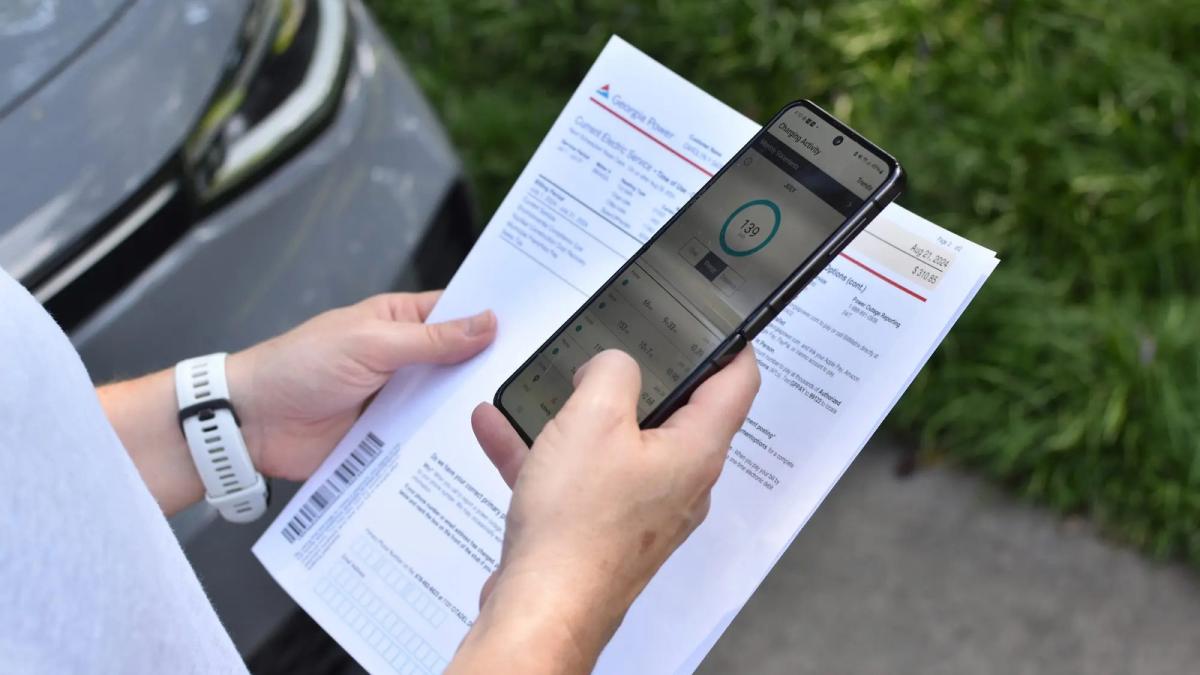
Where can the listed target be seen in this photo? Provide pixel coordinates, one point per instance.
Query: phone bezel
(762, 315)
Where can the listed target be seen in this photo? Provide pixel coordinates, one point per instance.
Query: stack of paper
(388, 544)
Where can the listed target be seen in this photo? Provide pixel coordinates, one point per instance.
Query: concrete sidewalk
(942, 573)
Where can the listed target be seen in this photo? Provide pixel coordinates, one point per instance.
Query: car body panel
(38, 37)
(89, 137)
(333, 224)
(340, 220)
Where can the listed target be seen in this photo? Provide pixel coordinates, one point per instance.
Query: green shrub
(1063, 134)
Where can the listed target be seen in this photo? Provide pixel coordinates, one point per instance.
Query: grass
(1065, 134)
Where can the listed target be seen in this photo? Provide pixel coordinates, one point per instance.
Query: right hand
(600, 504)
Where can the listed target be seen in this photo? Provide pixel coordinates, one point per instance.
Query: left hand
(298, 394)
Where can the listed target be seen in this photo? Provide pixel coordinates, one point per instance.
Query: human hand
(298, 394)
(599, 504)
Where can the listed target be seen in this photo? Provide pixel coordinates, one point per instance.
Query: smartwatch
(213, 431)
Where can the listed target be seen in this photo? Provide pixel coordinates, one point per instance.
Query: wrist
(545, 622)
(144, 415)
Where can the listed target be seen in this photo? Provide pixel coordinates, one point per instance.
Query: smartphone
(720, 269)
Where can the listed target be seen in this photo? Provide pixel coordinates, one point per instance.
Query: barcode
(343, 477)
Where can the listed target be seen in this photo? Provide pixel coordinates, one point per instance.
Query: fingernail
(480, 323)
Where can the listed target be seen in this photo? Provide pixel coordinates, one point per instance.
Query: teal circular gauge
(749, 234)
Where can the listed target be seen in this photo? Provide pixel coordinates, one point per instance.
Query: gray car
(183, 177)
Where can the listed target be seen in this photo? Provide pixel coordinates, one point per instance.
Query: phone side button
(873, 210)
(731, 350)
(757, 322)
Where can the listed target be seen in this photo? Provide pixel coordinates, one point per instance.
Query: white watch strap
(209, 424)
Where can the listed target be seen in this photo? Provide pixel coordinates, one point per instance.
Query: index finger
(719, 406)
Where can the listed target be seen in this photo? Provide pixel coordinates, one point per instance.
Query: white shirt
(91, 577)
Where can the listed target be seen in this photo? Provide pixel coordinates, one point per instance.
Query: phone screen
(714, 264)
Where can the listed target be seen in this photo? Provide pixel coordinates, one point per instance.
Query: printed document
(388, 544)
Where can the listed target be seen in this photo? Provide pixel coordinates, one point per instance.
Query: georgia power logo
(602, 91)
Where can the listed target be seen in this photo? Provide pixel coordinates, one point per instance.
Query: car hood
(100, 94)
(38, 37)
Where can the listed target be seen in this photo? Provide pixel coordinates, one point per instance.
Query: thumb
(445, 342)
